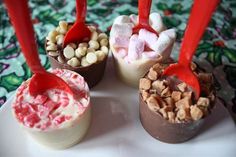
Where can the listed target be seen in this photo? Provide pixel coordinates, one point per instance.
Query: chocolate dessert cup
(92, 73)
(161, 129)
(165, 130)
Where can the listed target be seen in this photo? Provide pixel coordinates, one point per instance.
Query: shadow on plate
(108, 115)
(218, 116)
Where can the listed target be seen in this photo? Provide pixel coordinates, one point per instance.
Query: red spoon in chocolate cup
(41, 80)
(79, 31)
(199, 18)
(144, 7)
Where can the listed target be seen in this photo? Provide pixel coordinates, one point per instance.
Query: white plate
(116, 130)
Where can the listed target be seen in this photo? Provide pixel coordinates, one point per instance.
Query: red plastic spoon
(199, 18)
(79, 31)
(41, 80)
(144, 7)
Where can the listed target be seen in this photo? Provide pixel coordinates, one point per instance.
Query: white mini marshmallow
(162, 43)
(120, 41)
(171, 33)
(136, 47)
(134, 19)
(122, 52)
(150, 55)
(156, 22)
(122, 19)
(121, 30)
(149, 37)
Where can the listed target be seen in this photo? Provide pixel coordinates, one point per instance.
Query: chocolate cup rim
(70, 67)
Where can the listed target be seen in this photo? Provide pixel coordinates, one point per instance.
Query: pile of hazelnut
(173, 99)
(77, 55)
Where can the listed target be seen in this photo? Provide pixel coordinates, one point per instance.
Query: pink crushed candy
(53, 107)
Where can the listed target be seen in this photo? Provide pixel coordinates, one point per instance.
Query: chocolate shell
(92, 74)
(163, 130)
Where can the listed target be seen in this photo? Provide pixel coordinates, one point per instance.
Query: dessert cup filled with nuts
(88, 58)
(168, 109)
(134, 53)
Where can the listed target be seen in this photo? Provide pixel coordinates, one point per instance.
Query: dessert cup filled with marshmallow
(133, 53)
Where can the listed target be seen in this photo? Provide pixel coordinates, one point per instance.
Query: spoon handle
(81, 10)
(21, 21)
(199, 18)
(144, 7)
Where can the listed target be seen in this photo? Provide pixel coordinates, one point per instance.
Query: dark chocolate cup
(163, 130)
(92, 74)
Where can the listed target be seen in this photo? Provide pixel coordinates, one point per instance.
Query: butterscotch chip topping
(187, 94)
(171, 116)
(166, 92)
(163, 113)
(196, 112)
(152, 74)
(183, 103)
(183, 114)
(173, 99)
(169, 101)
(205, 102)
(145, 95)
(176, 95)
(158, 85)
(153, 103)
(182, 86)
(193, 66)
(145, 83)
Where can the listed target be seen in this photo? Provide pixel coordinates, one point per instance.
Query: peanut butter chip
(145, 95)
(144, 83)
(152, 74)
(183, 103)
(152, 103)
(158, 85)
(176, 95)
(193, 66)
(203, 102)
(182, 87)
(188, 94)
(183, 114)
(171, 116)
(166, 92)
(163, 112)
(169, 101)
(196, 113)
